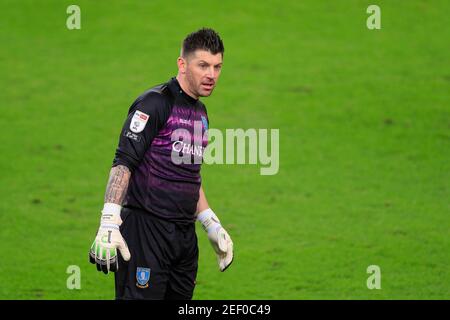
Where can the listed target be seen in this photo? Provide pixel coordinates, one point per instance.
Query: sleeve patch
(132, 136)
(138, 121)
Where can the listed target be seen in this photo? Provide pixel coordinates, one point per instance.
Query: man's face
(202, 70)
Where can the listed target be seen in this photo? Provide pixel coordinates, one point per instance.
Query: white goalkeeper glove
(219, 238)
(103, 251)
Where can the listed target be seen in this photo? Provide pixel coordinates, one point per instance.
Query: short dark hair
(204, 39)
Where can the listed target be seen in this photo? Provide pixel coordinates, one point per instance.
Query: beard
(196, 87)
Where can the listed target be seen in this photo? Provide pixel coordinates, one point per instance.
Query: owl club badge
(142, 277)
(205, 123)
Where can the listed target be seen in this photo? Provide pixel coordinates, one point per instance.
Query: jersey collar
(175, 87)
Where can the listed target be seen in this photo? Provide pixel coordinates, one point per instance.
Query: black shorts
(164, 258)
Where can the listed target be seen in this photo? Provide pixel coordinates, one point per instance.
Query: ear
(181, 65)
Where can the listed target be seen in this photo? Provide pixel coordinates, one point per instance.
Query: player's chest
(189, 124)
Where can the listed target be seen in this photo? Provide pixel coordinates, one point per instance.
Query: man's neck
(184, 86)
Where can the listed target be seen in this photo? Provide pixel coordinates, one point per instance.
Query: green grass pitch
(364, 120)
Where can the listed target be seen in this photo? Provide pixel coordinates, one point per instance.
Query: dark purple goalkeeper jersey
(162, 143)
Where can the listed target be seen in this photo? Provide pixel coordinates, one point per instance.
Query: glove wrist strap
(208, 219)
(111, 214)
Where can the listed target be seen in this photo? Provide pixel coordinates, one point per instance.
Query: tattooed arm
(103, 252)
(116, 189)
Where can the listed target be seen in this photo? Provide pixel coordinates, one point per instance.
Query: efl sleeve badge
(138, 121)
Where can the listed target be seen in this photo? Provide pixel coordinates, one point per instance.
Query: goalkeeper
(147, 227)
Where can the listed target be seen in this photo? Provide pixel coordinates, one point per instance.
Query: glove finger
(108, 258)
(220, 260)
(114, 263)
(226, 264)
(92, 253)
(98, 264)
(124, 251)
(222, 240)
(105, 271)
(103, 260)
(227, 259)
(92, 257)
(97, 257)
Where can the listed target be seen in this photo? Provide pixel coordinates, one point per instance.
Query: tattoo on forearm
(117, 184)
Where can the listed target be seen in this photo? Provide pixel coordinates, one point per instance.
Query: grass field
(364, 119)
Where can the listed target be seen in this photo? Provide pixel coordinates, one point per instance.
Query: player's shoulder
(159, 93)
(157, 98)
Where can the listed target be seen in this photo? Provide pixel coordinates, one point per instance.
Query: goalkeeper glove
(103, 251)
(219, 238)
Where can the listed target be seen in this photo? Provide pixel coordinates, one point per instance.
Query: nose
(211, 73)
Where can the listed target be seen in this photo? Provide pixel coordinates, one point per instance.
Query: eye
(218, 67)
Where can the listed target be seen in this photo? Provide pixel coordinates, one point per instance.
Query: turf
(364, 121)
